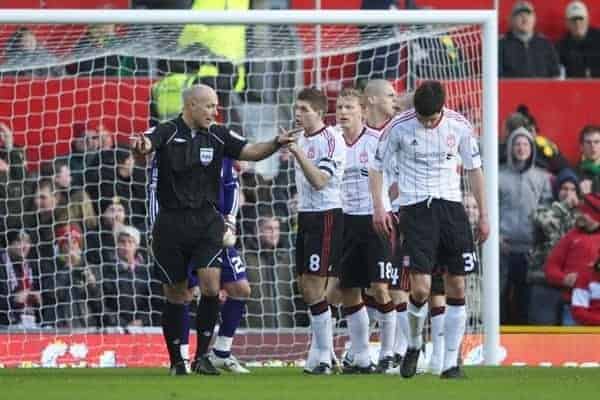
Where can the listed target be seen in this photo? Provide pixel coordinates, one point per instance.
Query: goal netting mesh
(76, 284)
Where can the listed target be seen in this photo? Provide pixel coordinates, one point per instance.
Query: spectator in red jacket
(585, 302)
(576, 252)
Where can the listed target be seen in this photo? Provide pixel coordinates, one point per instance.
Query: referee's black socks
(172, 324)
(206, 318)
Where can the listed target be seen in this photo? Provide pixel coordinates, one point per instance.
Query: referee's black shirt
(189, 163)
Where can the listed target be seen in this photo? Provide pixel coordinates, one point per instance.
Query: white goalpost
(286, 50)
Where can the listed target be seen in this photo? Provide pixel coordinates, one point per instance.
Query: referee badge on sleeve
(206, 155)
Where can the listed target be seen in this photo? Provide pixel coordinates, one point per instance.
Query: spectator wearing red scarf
(575, 254)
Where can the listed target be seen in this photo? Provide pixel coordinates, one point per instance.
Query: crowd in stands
(526, 53)
(75, 250)
(523, 51)
(74, 253)
(544, 205)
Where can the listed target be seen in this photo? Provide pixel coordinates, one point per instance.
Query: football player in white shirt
(319, 165)
(400, 292)
(400, 288)
(426, 143)
(379, 101)
(364, 254)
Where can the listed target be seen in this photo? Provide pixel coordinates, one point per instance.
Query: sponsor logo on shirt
(432, 154)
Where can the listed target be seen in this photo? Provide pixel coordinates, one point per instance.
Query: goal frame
(486, 18)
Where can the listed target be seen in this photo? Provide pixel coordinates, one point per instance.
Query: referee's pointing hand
(287, 138)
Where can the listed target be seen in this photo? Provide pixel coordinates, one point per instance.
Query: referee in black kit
(189, 229)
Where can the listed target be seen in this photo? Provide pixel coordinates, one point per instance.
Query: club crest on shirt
(451, 141)
(206, 155)
(310, 153)
(363, 157)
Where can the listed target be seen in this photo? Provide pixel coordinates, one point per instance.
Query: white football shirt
(356, 197)
(394, 173)
(327, 151)
(428, 160)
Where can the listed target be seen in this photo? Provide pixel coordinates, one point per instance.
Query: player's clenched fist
(140, 145)
(229, 237)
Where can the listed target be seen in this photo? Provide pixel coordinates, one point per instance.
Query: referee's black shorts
(319, 242)
(184, 238)
(435, 233)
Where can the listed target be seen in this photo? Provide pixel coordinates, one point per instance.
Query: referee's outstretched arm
(260, 151)
(200, 104)
(142, 145)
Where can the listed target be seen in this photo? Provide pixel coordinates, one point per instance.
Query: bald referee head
(200, 104)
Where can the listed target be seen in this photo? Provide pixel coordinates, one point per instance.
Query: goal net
(73, 289)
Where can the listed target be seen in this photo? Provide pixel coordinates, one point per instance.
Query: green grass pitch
(290, 383)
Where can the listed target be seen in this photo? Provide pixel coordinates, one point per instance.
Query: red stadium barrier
(561, 108)
(42, 112)
(545, 349)
(147, 350)
(130, 350)
(64, 4)
(46, 350)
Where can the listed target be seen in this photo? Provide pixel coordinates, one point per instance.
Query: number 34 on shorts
(470, 261)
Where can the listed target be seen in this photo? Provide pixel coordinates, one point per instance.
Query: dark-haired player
(426, 143)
